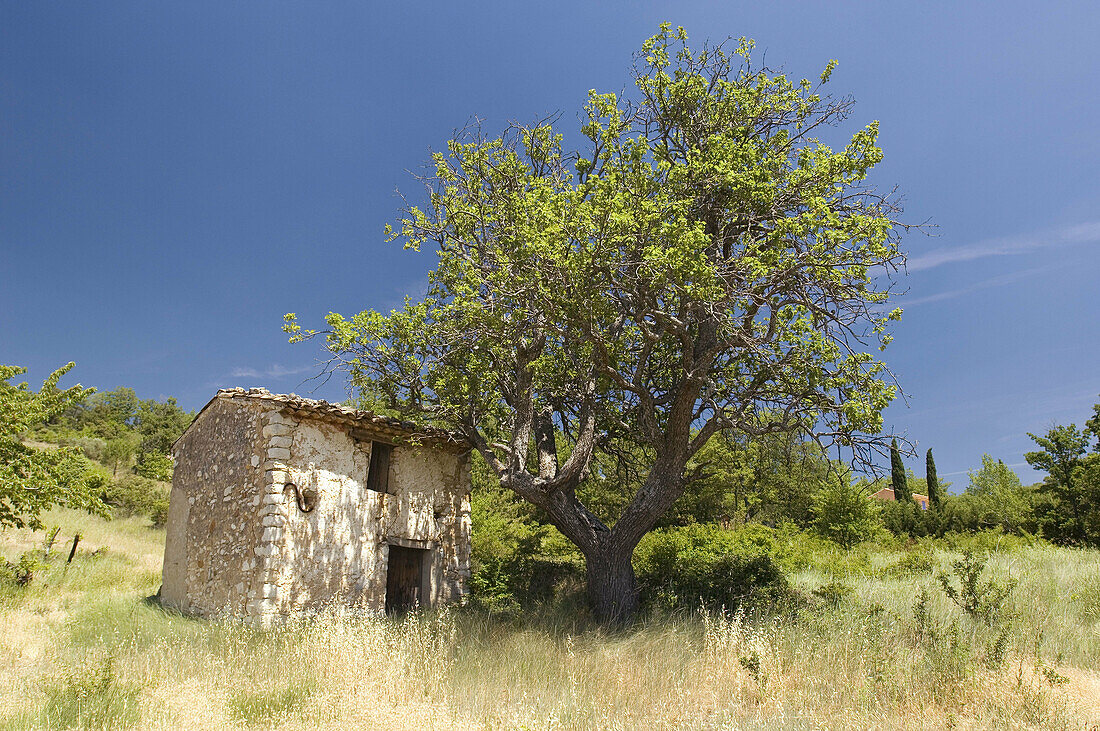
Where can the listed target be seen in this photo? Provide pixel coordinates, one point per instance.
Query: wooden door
(405, 579)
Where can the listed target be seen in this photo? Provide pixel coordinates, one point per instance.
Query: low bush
(515, 561)
(135, 495)
(16, 575)
(912, 563)
(982, 600)
(988, 541)
(702, 564)
(155, 466)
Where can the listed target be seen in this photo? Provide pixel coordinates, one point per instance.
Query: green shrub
(16, 575)
(515, 560)
(981, 600)
(912, 563)
(845, 514)
(134, 495)
(155, 466)
(159, 513)
(833, 594)
(705, 564)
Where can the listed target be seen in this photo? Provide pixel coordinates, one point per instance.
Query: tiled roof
(343, 414)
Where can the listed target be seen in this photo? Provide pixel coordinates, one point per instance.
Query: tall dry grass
(81, 648)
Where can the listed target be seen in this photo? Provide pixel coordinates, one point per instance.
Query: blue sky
(175, 177)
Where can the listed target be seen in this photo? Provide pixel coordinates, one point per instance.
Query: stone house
(283, 505)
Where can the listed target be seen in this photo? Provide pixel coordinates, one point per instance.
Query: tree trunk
(612, 588)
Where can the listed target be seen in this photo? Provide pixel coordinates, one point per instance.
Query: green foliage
(111, 413)
(700, 564)
(159, 424)
(904, 518)
(516, 561)
(116, 427)
(136, 495)
(845, 513)
(18, 574)
(155, 466)
(1070, 512)
(932, 482)
(995, 498)
(833, 594)
(982, 601)
(119, 450)
(899, 480)
(33, 480)
(765, 478)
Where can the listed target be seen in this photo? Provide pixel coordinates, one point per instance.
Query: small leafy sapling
(982, 601)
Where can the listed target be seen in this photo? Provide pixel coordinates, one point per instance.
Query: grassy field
(82, 648)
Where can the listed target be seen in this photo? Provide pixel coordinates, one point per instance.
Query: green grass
(83, 649)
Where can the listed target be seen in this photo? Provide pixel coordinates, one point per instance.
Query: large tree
(33, 480)
(704, 260)
(1073, 482)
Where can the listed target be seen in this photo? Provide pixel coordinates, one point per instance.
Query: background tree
(34, 480)
(704, 261)
(996, 497)
(932, 482)
(844, 512)
(1072, 484)
(118, 451)
(898, 478)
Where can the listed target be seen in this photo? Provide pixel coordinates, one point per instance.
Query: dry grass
(82, 649)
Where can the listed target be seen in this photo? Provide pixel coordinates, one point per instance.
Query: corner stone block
(275, 417)
(274, 499)
(277, 430)
(279, 510)
(278, 453)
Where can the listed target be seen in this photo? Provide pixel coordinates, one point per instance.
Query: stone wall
(337, 552)
(213, 522)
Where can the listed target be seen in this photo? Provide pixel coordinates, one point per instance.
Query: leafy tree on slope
(33, 480)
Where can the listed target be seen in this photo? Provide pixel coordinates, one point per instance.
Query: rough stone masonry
(284, 505)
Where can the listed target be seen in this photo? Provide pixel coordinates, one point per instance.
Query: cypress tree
(934, 497)
(898, 479)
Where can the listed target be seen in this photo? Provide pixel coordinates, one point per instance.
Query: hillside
(83, 648)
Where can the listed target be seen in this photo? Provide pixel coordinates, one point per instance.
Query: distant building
(284, 505)
(887, 493)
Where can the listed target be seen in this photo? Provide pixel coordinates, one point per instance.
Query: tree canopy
(33, 480)
(704, 261)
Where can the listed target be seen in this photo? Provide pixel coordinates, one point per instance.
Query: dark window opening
(407, 579)
(378, 473)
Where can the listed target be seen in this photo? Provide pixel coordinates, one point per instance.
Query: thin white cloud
(967, 472)
(991, 282)
(1084, 233)
(274, 372)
